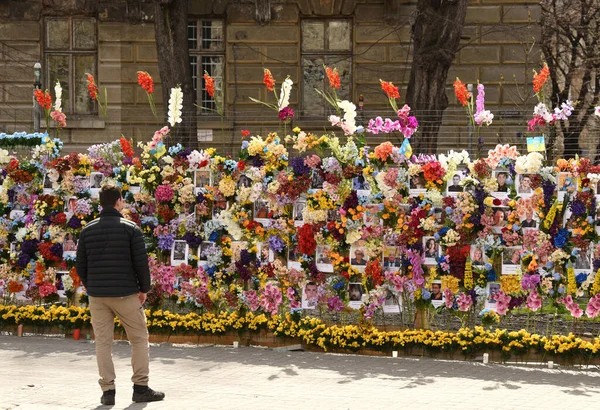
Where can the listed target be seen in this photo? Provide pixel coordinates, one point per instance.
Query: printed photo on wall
(95, 183)
(491, 292)
(293, 258)
(47, 184)
(316, 180)
(499, 218)
(524, 185)
(358, 255)
(392, 303)
(261, 211)
(432, 250)
(60, 287)
(511, 260)
(179, 252)
(323, 259)
(391, 258)
(437, 296)
(17, 211)
(309, 296)
(370, 217)
(298, 208)
(361, 186)
(529, 220)
(583, 263)
(70, 246)
(477, 256)
(70, 206)
(416, 184)
(566, 184)
(454, 186)
(355, 294)
(501, 176)
(206, 248)
(236, 249)
(201, 178)
(219, 206)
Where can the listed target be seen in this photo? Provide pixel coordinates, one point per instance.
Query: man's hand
(142, 298)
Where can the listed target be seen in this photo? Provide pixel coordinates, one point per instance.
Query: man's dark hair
(109, 195)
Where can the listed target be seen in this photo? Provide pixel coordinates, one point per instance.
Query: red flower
(390, 89)
(268, 80)
(145, 80)
(306, 240)
(245, 133)
(43, 99)
(373, 270)
(333, 77)
(241, 165)
(539, 79)
(92, 87)
(59, 219)
(433, 171)
(460, 89)
(126, 147)
(209, 84)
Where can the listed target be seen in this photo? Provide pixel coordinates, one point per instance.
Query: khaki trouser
(132, 317)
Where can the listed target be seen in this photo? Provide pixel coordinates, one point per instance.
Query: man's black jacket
(111, 257)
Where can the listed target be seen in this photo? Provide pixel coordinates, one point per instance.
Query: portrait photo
(316, 180)
(206, 248)
(566, 184)
(437, 296)
(298, 208)
(69, 245)
(431, 248)
(261, 211)
(244, 182)
(310, 296)
(370, 217)
(477, 256)
(322, 258)
(511, 260)
(96, 180)
(70, 205)
(358, 256)
(355, 293)
(454, 184)
(236, 249)
(60, 287)
(219, 206)
(391, 258)
(524, 185)
(416, 183)
(491, 292)
(47, 183)
(501, 176)
(583, 263)
(529, 220)
(392, 302)
(293, 255)
(499, 218)
(179, 252)
(201, 178)
(17, 211)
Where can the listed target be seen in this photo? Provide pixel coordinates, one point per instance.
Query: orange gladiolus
(333, 77)
(145, 80)
(460, 89)
(209, 84)
(268, 80)
(390, 89)
(92, 87)
(539, 79)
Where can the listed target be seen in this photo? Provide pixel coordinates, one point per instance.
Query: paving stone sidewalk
(55, 373)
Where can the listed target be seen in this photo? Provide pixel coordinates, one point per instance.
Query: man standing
(113, 266)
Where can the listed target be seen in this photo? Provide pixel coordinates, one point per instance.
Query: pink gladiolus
(252, 299)
(502, 301)
(60, 118)
(270, 299)
(291, 295)
(593, 307)
(464, 302)
(572, 306)
(448, 298)
(534, 301)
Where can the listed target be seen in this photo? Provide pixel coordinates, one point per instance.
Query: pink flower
(464, 302)
(448, 298)
(60, 118)
(572, 306)
(164, 193)
(271, 299)
(312, 161)
(534, 301)
(47, 289)
(502, 301)
(158, 136)
(593, 307)
(390, 176)
(291, 295)
(335, 120)
(252, 299)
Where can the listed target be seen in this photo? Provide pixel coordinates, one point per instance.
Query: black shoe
(143, 394)
(108, 398)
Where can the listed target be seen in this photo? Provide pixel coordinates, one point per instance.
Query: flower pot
(76, 334)
(20, 331)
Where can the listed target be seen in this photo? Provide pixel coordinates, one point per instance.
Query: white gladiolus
(58, 94)
(349, 124)
(284, 96)
(175, 106)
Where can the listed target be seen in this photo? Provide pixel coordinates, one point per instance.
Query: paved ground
(49, 373)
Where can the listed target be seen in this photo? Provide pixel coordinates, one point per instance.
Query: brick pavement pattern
(54, 373)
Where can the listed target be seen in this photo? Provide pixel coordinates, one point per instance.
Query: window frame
(71, 53)
(198, 53)
(325, 53)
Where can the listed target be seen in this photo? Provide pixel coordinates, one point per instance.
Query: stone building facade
(233, 40)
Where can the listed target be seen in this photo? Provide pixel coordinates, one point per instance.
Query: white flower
(175, 106)
(58, 94)
(484, 117)
(543, 112)
(349, 124)
(334, 120)
(284, 96)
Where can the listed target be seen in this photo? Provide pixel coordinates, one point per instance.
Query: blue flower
(488, 266)
(360, 129)
(245, 144)
(338, 285)
(425, 294)
(561, 237)
(556, 276)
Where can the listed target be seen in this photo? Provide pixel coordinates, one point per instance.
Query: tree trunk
(436, 35)
(170, 23)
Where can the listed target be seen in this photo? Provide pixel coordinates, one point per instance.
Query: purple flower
(257, 161)
(286, 114)
(29, 246)
(548, 188)
(276, 244)
(577, 207)
(74, 223)
(165, 242)
(23, 260)
(335, 304)
(184, 153)
(299, 167)
(193, 240)
(56, 249)
(351, 201)
(530, 282)
(247, 258)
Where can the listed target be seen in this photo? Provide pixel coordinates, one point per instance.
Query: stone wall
(496, 35)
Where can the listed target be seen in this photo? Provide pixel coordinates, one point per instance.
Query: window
(70, 52)
(207, 53)
(325, 42)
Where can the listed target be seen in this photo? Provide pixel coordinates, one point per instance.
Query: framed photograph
(355, 294)
(437, 296)
(236, 249)
(370, 217)
(244, 182)
(13, 247)
(524, 185)
(298, 208)
(478, 257)
(293, 258)
(501, 176)
(96, 183)
(47, 184)
(206, 248)
(454, 186)
(416, 184)
(310, 296)
(392, 303)
(500, 218)
(358, 255)
(70, 246)
(316, 180)
(333, 215)
(179, 252)
(219, 206)
(201, 178)
(529, 220)
(391, 258)
(566, 184)
(511, 260)
(596, 188)
(17, 211)
(264, 253)
(432, 250)
(583, 264)
(70, 205)
(323, 259)
(361, 186)
(60, 287)
(261, 211)
(491, 291)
